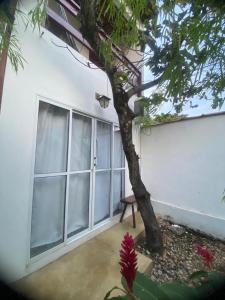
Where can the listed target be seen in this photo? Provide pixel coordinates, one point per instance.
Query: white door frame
(92, 171)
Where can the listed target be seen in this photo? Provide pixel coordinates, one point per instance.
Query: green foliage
(125, 17)
(198, 275)
(14, 53)
(188, 50)
(186, 46)
(206, 283)
(179, 291)
(114, 289)
(144, 288)
(151, 106)
(9, 35)
(185, 42)
(149, 120)
(37, 15)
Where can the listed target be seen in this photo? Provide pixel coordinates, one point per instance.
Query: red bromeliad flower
(128, 260)
(206, 254)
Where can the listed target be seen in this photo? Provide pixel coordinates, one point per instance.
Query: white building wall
(53, 74)
(183, 167)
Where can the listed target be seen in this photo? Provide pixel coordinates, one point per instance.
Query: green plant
(202, 284)
(205, 254)
(10, 13)
(148, 120)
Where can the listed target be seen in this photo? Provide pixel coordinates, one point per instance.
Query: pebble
(180, 258)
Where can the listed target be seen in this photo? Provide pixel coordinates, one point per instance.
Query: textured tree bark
(125, 116)
(89, 29)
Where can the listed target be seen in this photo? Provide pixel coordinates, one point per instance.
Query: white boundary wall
(183, 167)
(50, 74)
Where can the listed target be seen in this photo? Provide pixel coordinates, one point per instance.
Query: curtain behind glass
(102, 196)
(81, 143)
(103, 145)
(119, 157)
(78, 205)
(118, 190)
(47, 213)
(52, 139)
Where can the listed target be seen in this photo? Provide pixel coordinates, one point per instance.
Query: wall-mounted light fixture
(103, 100)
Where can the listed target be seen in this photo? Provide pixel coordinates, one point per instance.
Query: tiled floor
(87, 272)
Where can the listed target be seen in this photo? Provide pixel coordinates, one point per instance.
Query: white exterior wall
(50, 73)
(183, 167)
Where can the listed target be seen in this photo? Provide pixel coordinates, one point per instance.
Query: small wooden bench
(128, 201)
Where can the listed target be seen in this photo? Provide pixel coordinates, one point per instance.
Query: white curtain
(118, 190)
(102, 196)
(81, 143)
(118, 150)
(103, 145)
(49, 192)
(78, 206)
(102, 178)
(52, 139)
(48, 211)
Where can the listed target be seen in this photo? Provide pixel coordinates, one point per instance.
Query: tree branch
(142, 87)
(89, 30)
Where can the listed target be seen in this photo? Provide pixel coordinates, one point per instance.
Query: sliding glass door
(118, 172)
(76, 185)
(47, 225)
(79, 175)
(103, 172)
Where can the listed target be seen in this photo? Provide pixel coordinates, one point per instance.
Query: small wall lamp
(103, 100)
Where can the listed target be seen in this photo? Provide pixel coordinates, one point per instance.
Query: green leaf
(215, 281)
(113, 289)
(146, 289)
(124, 283)
(120, 298)
(198, 274)
(179, 291)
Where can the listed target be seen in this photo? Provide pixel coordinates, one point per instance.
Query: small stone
(178, 230)
(180, 258)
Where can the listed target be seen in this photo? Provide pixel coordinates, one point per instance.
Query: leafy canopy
(184, 43)
(8, 33)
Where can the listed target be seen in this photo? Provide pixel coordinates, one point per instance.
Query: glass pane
(102, 196)
(52, 139)
(47, 213)
(72, 20)
(103, 145)
(78, 205)
(80, 143)
(55, 6)
(119, 158)
(118, 190)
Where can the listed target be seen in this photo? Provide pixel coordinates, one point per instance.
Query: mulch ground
(180, 258)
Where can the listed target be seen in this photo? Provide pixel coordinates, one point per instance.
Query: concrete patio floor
(88, 271)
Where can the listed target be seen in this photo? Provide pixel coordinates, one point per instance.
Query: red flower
(128, 260)
(206, 254)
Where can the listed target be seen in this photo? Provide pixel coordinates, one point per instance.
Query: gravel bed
(180, 258)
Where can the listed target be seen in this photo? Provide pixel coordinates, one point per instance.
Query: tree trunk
(89, 29)
(125, 115)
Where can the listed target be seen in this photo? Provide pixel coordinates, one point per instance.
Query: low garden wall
(183, 167)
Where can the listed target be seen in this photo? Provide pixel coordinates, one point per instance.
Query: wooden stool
(128, 201)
